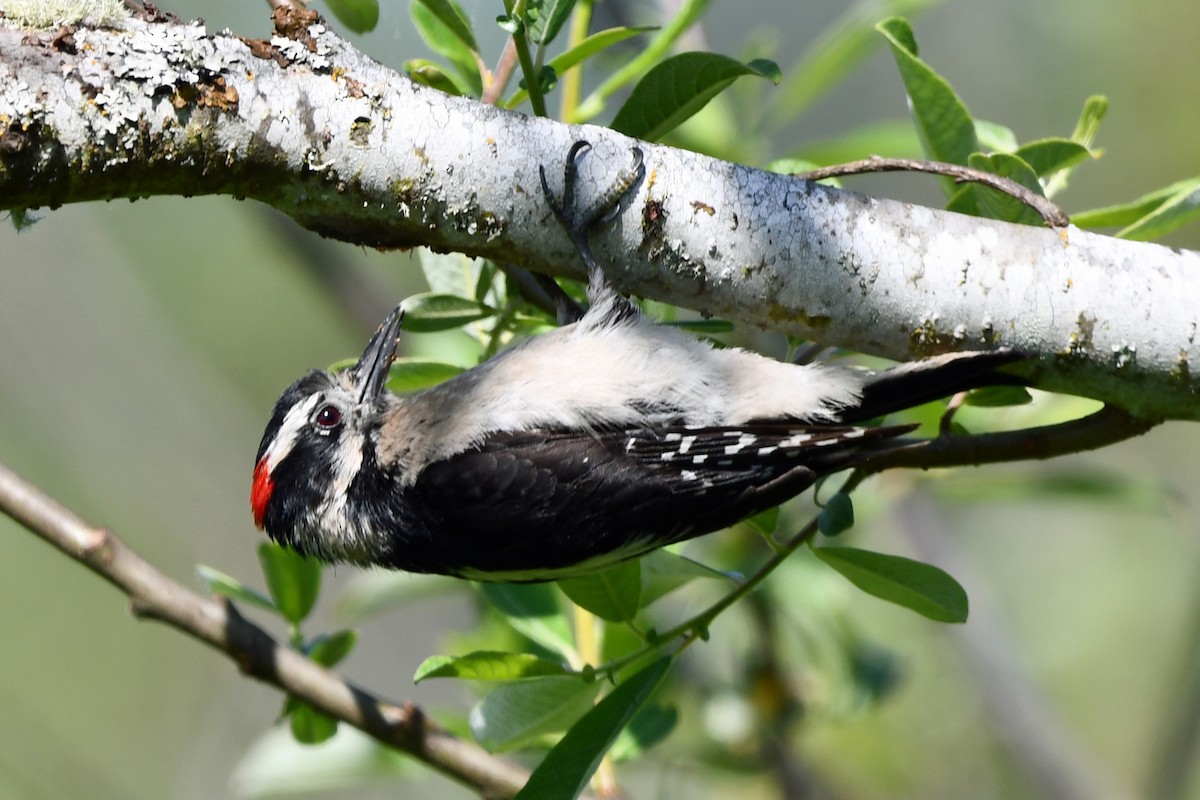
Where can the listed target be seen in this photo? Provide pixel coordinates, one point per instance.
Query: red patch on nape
(260, 491)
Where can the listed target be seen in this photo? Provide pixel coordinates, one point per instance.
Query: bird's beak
(371, 371)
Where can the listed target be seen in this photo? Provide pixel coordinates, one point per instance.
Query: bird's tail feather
(917, 382)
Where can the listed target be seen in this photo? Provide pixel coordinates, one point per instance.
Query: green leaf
(453, 273)
(293, 580)
(663, 572)
(226, 586)
(1178, 210)
(360, 16)
(655, 49)
(995, 204)
(485, 282)
(534, 611)
(993, 136)
(551, 15)
(439, 312)
(1094, 109)
(414, 374)
(485, 665)
(612, 594)
(651, 725)
(1051, 155)
(567, 768)
(1084, 135)
(514, 715)
(964, 200)
(431, 74)
(409, 374)
(585, 49)
(764, 523)
(446, 30)
(942, 118)
(547, 79)
(453, 19)
(679, 87)
(917, 586)
(309, 725)
(328, 651)
(1129, 214)
(834, 53)
(999, 396)
(837, 516)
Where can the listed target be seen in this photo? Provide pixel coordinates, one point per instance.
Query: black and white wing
(538, 504)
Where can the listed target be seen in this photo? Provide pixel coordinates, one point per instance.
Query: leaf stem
(533, 85)
(689, 630)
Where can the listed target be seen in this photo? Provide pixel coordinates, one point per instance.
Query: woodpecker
(593, 443)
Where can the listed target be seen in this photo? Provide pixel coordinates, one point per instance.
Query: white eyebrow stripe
(293, 422)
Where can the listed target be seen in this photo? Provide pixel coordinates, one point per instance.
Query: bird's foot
(580, 222)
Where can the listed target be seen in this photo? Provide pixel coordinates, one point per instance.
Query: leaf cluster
(293, 584)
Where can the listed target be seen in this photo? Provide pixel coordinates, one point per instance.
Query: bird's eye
(328, 417)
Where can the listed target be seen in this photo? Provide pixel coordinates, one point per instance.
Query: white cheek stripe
(334, 520)
(346, 464)
(295, 419)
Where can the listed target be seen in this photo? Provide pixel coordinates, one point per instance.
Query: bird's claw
(577, 222)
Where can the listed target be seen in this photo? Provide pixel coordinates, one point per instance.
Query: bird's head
(314, 449)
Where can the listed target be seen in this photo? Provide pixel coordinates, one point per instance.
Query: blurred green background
(142, 347)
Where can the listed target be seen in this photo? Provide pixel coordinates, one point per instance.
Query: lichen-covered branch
(351, 149)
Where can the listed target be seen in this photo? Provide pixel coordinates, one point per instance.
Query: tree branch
(217, 623)
(1102, 428)
(1050, 213)
(353, 150)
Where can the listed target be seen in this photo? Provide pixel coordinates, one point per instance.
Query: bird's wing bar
(768, 446)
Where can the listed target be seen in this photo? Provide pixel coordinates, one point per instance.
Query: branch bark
(349, 148)
(217, 623)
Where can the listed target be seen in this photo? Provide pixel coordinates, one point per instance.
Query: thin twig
(1107, 426)
(493, 91)
(1054, 216)
(217, 623)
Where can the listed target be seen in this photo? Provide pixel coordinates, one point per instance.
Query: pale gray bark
(350, 148)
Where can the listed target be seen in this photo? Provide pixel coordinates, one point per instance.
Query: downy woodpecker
(596, 442)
